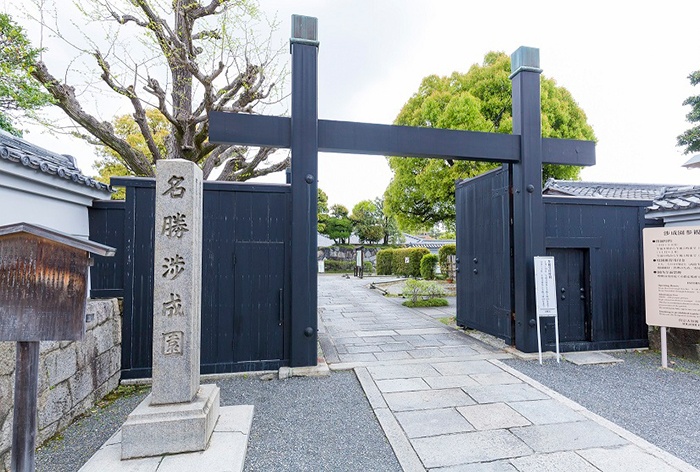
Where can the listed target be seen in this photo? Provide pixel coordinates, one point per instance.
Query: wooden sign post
(546, 297)
(43, 293)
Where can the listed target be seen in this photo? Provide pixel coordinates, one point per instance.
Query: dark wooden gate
(483, 254)
(245, 274)
(571, 267)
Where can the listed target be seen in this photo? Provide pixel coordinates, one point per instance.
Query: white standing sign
(546, 297)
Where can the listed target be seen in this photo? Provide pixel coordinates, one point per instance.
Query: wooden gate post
(304, 146)
(526, 192)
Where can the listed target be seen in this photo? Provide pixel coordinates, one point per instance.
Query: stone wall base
(680, 342)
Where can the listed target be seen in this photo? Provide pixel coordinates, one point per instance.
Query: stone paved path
(448, 404)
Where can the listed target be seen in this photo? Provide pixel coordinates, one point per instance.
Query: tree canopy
(181, 58)
(690, 139)
(20, 94)
(421, 193)
(338, 225)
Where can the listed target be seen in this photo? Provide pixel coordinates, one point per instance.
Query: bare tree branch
(102, 130)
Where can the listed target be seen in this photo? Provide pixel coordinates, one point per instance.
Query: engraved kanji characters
(174, 225)
(172, 342)
(174, 266)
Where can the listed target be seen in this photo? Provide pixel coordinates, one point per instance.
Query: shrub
(422, 288)
(425, 303)
(367, 267)
(332, 265)
(384, 262)
(412, 267)
(446, 250)
(427, 266)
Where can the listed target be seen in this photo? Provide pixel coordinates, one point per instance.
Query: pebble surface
(299, 424)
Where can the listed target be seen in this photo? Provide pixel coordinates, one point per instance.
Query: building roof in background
(21, 152)
(625, 191)
(693, 162)
(662, 197)
(681, 198)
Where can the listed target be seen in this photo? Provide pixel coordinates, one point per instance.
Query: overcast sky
(625, 64)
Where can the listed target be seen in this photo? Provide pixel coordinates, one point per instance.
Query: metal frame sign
(672, 276)
(546, 297)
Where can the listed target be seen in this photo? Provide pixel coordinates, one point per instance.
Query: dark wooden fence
(245, 273)
(597, 246)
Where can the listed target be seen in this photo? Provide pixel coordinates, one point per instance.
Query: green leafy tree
(390, 228)
(338, 225)
(366, 222)
(322, 211)
(185, 58)
(690, 139)
(421, 193)
(20, 94)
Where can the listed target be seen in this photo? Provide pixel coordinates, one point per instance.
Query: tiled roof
(14, 149)
(664, 197)
(680, 198)
(605, 189)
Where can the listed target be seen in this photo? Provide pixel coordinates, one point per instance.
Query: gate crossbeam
(524, 151)
(391, 140)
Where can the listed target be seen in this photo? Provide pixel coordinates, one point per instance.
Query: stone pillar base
(153, 430)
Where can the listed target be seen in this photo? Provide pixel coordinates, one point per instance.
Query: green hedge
(446, 250)
(412, 267)
(367, 268)
(427, 266)
(384, 261)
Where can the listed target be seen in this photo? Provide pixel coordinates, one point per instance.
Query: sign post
(546, 298)
(672, 279)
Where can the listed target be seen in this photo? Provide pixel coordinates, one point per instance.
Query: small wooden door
(573, 296)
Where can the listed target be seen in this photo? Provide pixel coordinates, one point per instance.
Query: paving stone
(546, 412)
(402, 371)
(626, 458)
(396, 346)
(591, 357)
(423, 331)
(427, 399)
(457, 351)
(492, 416)
(451, 381)
(497, 466)
(504, 393)
(402, 385)
(466, 367)
(419, 341)
(556, 462)
(467, 448)
(363, 357)
(358, 349)
(499, 378)
(368, 334)
(421, 423)
(567, 436)
(427, 353)
(391, 356)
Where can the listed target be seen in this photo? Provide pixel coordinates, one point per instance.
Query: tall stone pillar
(179, 415)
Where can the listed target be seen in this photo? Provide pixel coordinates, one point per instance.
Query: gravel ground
(299, 424)
(661, 406)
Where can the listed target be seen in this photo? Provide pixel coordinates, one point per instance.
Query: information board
(672, 276)
(546, 297)
(545, 286)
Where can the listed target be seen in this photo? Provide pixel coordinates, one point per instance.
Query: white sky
(625, 63)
